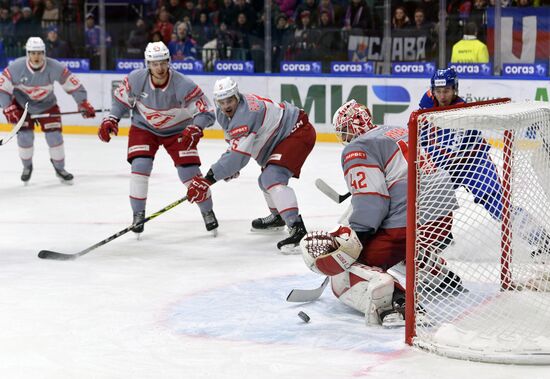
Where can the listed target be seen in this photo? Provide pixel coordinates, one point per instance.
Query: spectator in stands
(458, 11)
(138, 39)
(470, 49)
(176, 11)
(420, 23)
(183, 47)
(306, 39)
(55, 47)
(227, 13)
(15, 13)
(225, 41)
(241, 6)
(242, 37)
(51, 14)
(190, 12)
(431, 10)
(478, 15)
(330, 42)
(27, 26)
(92, 34)
(522, 3)
(328, 7)
(156, 36)
(281, 38)
(7, 27)
(400, 20)
(286, 6)
(358, 16)
(203, 31)
(164, 26)
(423, 27)
(310, 6)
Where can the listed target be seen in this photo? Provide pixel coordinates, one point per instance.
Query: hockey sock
(25, 141)
(57, 149)
(139, 182)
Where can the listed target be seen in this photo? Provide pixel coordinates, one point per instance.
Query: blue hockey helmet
(445, 78)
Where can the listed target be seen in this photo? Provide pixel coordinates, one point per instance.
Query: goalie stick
(17, 126)
(303, 296)
(330, 192)
(48, 254)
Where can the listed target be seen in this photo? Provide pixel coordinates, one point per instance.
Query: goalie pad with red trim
(331, 253)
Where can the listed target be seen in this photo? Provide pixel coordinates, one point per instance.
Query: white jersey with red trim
(258, 125)
(19, 80)
(375, 169)
(162, 111)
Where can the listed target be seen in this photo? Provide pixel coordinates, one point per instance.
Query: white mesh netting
(482, 245)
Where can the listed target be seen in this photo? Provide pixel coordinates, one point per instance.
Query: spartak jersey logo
(354, 155)
(157, 119)
(36, 93)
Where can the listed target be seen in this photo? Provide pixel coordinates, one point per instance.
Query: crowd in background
(230, 29)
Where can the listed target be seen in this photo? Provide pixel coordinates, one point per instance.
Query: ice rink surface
(179, 303)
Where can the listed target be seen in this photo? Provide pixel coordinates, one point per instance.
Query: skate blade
(213, 232)
(290, 250)
(66, 182)
(25, 183)
(268, 231)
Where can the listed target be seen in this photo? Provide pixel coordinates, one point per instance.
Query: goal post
(478, 224)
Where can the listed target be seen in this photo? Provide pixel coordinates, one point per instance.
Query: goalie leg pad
(365, 289)
(330, 253)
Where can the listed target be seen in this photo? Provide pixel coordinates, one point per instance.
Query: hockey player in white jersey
(279, 137)
(31, 80)
(169, 110)
(358, 257)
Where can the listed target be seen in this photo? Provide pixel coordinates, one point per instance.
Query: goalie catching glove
(331, 253)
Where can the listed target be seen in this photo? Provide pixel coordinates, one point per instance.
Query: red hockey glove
(86, 109)
(109, 126)
(13, 113)
(190, 137)
(198, 190)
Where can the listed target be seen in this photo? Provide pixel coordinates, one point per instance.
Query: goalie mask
(351, 120)
(331, 253)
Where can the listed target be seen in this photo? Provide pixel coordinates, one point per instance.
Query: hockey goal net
(478, 247)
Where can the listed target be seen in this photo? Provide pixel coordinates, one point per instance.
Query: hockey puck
(304, 316)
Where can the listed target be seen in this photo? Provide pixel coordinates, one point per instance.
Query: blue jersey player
(464, 154)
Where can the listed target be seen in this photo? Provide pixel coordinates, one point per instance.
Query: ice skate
(64, 176)
(138, 217)
(26, 175)
(290, 245)
(210, 222)
(268, 224)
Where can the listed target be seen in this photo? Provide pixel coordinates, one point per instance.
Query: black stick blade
(47, 254)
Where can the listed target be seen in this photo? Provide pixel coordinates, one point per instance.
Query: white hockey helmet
(156, 51)
(225, 88)
(35, 44)
(351, 120)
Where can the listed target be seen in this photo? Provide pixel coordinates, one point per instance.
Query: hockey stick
(43, 115)
(47, 254)
(17, 126)
(303, 296)
(330, 192)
